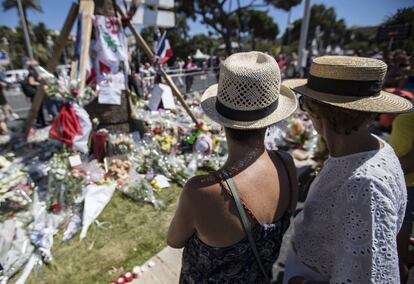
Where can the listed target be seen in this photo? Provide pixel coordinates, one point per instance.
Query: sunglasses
(301, 100)
(306, 108)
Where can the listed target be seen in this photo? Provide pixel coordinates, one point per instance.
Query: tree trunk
(115, 118)
(25, 16)
(288, 28)
(227, 43)
(253, 43)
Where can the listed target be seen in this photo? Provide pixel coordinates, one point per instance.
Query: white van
(15, 76)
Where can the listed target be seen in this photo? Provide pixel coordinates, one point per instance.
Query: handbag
(245, 222)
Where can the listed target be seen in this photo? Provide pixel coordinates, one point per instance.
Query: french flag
(164, 51)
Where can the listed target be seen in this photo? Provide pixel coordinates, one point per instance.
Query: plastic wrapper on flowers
(147, 156)
(66, 90)
(64, 184)
(16, 191)
(44, 227)
(96, 198)
(139, 189)
(15, 249)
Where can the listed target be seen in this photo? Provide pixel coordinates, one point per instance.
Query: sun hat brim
(383, 103)
(287, 104)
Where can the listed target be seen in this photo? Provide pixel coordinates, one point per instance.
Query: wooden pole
(150, 54)
(51, 67)
(86, 10)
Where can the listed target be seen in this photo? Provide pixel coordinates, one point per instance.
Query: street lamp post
(303, 35)
(25, 30)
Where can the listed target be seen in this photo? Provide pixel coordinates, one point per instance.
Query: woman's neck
(242, 155)
(357, 142)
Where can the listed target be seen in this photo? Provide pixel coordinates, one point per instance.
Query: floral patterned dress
(234, 264)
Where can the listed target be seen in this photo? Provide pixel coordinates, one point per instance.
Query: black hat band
(245, 115)
(348, 88)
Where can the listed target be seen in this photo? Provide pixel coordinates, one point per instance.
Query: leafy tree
(26, 4)
(205, 43)
(41, 33)
(333, 30)
(402, 16)
(287, 6)
(259, 25)
(221, 16)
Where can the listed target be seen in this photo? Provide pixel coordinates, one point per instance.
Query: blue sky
(355, 12)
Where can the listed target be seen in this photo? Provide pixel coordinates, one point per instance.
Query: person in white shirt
(347, 230)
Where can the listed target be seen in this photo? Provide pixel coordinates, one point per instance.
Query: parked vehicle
(15, 76)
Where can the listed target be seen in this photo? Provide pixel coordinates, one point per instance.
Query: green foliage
(260, 25)
(39, 35)
(359, 39)
(284, 4)
(402, 16)
(332, 28)
(26, 4)
(224, 19)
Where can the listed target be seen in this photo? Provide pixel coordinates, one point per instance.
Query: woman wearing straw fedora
(231, 222)
(347, 230)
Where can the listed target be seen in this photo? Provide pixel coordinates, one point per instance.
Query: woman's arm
(32, 81)
(182, 225)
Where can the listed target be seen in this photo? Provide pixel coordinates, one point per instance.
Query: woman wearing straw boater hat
(347, 230)
(231, 222)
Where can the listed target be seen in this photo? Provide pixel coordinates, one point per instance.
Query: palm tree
(27, 5)
(285, 5)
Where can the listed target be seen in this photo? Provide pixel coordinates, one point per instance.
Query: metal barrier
(200, 79)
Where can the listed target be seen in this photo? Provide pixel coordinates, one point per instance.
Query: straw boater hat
(351, 83)
(249, 94)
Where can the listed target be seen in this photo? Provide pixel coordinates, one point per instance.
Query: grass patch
(137, 232)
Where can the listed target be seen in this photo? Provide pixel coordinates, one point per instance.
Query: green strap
(245, 221)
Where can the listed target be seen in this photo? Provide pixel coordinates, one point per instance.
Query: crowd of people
(356, 222)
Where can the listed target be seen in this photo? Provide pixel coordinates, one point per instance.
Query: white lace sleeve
(366, 251)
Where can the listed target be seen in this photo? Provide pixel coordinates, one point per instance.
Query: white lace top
(355, 208)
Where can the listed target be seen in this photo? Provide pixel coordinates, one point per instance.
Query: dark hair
(245, 135)
(343, 121)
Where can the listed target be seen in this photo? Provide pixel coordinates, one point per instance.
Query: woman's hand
(296, 280)
(301, 280)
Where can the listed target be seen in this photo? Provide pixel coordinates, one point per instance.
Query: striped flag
(164, 51)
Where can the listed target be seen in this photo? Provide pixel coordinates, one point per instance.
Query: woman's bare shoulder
(201, 185)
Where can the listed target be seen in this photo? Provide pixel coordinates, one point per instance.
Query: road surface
(21, 104)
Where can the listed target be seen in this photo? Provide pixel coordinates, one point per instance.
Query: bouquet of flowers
(120, 144)
(67, 90)
(64, 184)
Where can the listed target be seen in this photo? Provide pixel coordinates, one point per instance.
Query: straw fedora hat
(249, 94)
(351, 83)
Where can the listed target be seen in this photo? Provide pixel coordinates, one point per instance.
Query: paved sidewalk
(165, 270)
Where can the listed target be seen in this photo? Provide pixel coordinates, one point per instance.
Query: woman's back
(219, 250)
(264, 187)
